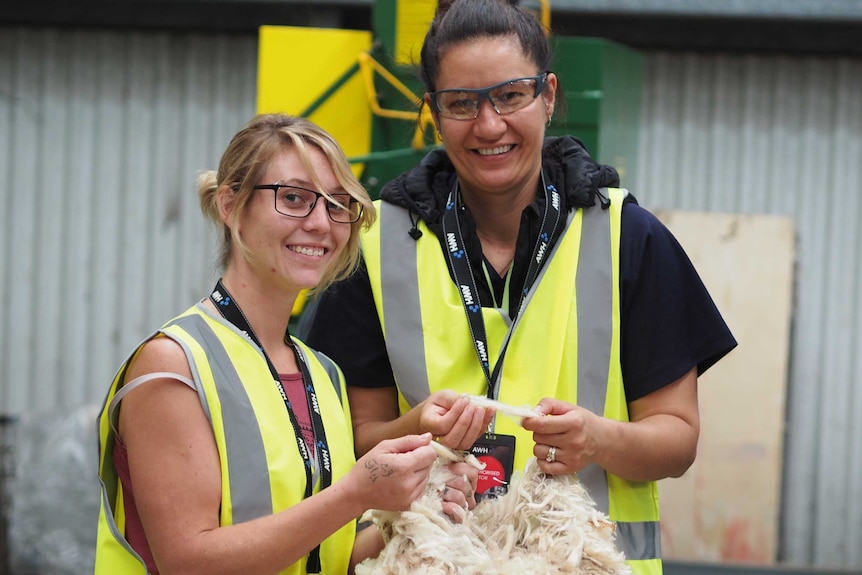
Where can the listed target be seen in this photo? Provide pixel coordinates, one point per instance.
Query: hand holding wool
(575, 434)
(453, 420)
(459, 493)
(394, 473)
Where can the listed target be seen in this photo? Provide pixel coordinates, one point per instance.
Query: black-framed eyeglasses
(296, 202)
(505, 97)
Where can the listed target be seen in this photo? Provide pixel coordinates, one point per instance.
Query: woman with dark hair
(510, 265)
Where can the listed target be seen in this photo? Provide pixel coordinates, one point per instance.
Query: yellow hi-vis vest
(564, 344)
(261, 468)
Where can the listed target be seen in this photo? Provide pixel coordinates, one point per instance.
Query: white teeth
(494, 151)
(307, 251)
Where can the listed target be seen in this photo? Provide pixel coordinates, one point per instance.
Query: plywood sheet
(726, 507)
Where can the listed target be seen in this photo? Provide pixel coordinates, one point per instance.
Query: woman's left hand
(459, 494)
(567, 438)
(659, 439)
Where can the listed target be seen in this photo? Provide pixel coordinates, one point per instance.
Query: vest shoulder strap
(123, 391)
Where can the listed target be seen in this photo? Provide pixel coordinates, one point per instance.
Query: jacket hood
(423, 189)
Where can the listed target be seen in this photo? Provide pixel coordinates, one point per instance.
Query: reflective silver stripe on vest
(399, 279)
(639, 541)
(594, 288)
(249, 492)
(594, 283)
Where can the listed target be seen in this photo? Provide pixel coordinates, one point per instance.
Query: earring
(549, 121)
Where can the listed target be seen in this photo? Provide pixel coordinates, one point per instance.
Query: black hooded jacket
(566, 164)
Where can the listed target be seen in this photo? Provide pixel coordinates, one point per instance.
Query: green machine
(601, 84)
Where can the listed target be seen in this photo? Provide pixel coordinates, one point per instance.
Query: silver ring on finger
(552, 454)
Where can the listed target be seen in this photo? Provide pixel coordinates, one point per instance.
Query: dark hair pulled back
(458, 21)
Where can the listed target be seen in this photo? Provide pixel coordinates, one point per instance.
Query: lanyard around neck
(229, 309)
(462, 271)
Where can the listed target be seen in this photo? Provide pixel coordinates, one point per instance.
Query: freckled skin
(276, 239)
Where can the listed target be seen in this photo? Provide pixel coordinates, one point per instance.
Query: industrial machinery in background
(363, 87)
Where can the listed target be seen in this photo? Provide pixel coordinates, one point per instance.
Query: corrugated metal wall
(101, 136)
(769, 135)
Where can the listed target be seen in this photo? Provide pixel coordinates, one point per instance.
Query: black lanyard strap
(229, 309)
(462, 271)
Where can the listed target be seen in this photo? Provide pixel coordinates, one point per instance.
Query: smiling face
(292, 253)
(494, 154)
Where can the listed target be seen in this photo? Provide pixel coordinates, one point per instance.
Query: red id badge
(497, 452)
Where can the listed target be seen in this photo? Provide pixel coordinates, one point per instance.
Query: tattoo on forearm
(377, 470)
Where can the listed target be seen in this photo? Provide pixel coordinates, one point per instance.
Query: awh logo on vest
(314, 404)
(540, 253)
(303, 450)
(467, 294)
(555, 200)
(324, 454)
(452, 242)
(483, 353)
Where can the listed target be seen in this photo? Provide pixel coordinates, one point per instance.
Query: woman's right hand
(453, 420)
(394, 473)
